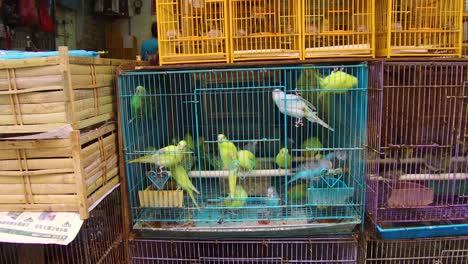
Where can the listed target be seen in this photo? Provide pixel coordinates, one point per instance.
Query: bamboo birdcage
(419, 28)
(191, 31)
(68, 174)
(42, 94)
(338, 28)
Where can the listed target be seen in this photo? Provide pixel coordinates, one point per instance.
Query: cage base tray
(422, 231)
(273, 229)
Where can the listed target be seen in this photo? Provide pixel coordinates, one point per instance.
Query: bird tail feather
(313, 118)
(193, 199)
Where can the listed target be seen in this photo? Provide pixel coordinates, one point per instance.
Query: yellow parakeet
(179, 174)
(283, 159)
(229, 158)
(166, 157)
(239, 198)
(246, 160)
(337, 82)
(312, 142)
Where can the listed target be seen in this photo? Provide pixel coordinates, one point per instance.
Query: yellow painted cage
(338, 28)
(265, 29)
(419, 27)
(192, 31)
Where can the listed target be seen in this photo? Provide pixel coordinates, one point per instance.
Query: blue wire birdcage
(178, 122)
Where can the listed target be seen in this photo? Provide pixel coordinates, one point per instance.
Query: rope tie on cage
(103, 159)
(26, 181)
(13, 96)
(95, 89)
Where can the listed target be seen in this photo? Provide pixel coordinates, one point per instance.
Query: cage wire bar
(192, 31)
(316, 186)
(265, 29)
(453, 250)
(465, 31)
(419, 28)
(417, 156)
(100, 240)
(341, 249)
(338, 28)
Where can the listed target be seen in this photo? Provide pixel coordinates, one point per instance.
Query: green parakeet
(337, 82)
(312, 142)
(298, 192)
(239, 198)
(189, 139)
(166, 157)
(283, 159)
(227, 152)
(179, 174)
(246, 160)
(138, 102)
(229, 158)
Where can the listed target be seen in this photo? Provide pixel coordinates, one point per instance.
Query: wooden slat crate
(58, 174)
(41, 94)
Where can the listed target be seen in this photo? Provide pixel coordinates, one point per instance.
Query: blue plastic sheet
(19, 55)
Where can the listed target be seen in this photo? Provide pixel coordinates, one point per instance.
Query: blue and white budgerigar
(309, 174)
(296, 106)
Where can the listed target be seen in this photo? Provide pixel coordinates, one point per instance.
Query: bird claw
(299, 123)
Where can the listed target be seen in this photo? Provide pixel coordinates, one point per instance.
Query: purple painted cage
(341, 249)
(100, 240)
(417, 166)
(453, 250)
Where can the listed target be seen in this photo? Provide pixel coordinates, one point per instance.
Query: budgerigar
(189, 139)
(337, 82)
(138, 103)
(296, 106)
(312, 142)
(229, 158)
(238, 199)
(298, 192)
(179, 174)
(283, 159)
(274, 200)
(309, 174)
(246, 160)
(166, 157)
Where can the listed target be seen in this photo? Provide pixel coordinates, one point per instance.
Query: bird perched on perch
(283, 159)
(179, 174)
(229, 158)
(296, 106)
(166, 157)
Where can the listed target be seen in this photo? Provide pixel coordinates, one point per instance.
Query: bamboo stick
(37, 164)
(46, 189)
(35, 172)
(85, 138)
(109, 164)
(62, 206)
(108, 142)
(92, 164)
(38, 153)
(81, 105)
(92, 176)
(79, 174)
(44, 108)
(68, 178)
(12, 199)
(35, 82)
(95, 120)
(34, 144)
(36, 98)
(91, 112)
(69, 96)
(100, 181)
(56, 200)
(88, 93)
(33, 119)
(30, 128)
(101, 191)
(33, 62)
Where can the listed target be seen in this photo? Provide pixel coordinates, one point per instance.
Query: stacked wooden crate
(46, 95)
